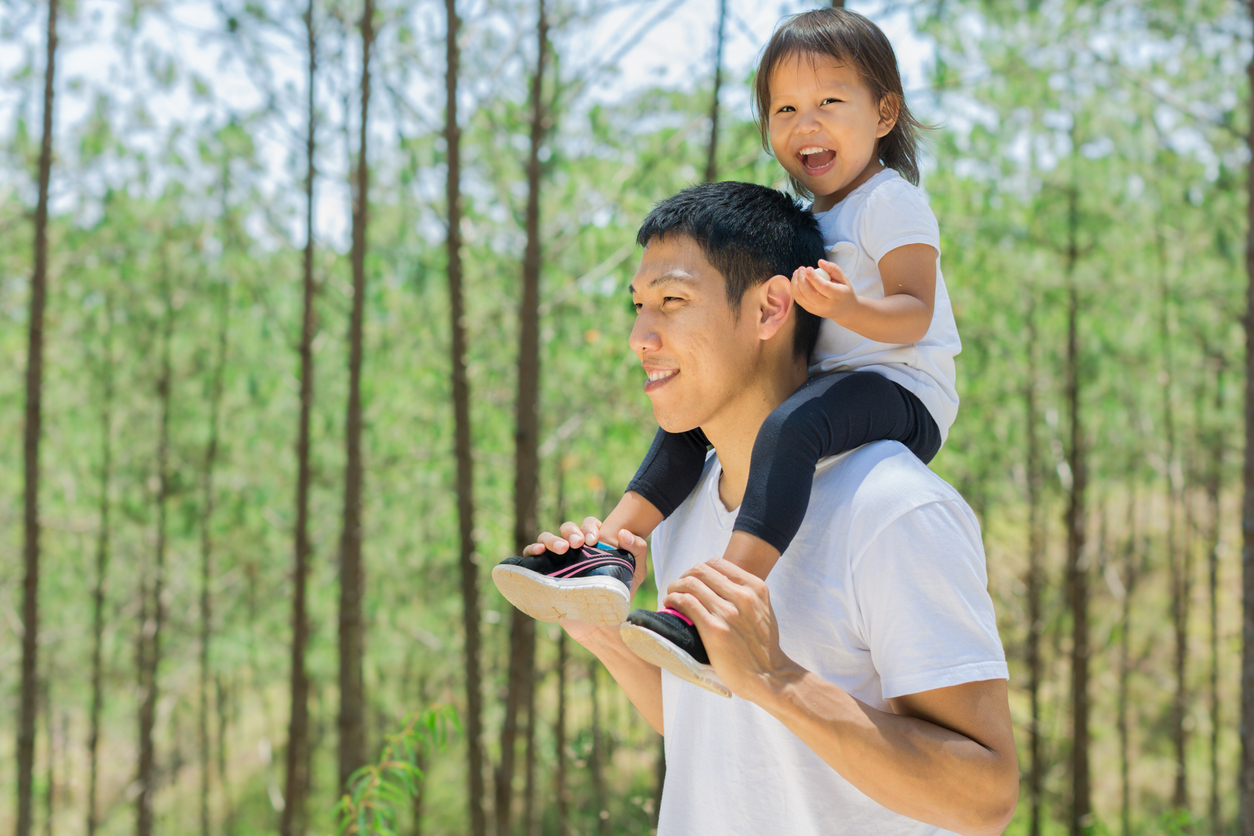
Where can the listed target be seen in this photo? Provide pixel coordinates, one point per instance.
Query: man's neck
(733, 434)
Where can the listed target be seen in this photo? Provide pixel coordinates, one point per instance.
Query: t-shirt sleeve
(897, 214)
(924, 608)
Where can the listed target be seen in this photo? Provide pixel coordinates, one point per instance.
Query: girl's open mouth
(816, 159)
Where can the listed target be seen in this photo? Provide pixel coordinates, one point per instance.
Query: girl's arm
(901, 317)
(634, 513)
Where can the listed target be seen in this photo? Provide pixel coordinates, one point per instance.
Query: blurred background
(291, 359)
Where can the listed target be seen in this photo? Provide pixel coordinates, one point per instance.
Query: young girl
(830, 106)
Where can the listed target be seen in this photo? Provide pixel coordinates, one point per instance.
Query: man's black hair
(747, 232)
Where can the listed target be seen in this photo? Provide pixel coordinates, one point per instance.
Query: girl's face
(824, 126)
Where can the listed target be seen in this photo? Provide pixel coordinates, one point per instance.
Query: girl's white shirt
(884, 213)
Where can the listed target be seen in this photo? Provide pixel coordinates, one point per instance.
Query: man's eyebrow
(671, 277)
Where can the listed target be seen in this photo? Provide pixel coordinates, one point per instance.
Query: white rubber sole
(661, 651)
(596, 600)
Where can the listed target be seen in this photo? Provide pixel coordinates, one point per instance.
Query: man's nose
(644, 335)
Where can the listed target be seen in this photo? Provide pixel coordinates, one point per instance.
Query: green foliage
(161, 178)
(370, 807)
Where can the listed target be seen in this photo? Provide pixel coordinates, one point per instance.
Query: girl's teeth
(817, 158)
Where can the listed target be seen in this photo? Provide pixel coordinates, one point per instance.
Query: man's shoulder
(881, 480)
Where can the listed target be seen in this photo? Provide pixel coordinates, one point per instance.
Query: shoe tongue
(820, 159)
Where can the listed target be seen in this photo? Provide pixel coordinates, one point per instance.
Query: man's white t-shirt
(884, 213)
(882, 592)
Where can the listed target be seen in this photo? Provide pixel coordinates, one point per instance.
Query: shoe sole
(661, 651)
(596, 600)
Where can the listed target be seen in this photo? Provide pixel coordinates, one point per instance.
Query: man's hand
(825, 292)
(573, 536)
(945, 757)
(641, 681)
(733, 613)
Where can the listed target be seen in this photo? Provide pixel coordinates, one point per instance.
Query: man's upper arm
(978, 710)
(924, 609)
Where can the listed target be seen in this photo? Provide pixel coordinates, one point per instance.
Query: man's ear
(775, 302)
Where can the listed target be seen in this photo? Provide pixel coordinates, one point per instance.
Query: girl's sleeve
(897, 214)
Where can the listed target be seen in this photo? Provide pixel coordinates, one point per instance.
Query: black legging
(827, 415)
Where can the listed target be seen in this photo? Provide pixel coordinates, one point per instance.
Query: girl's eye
(785, 109)
(831, 101)
(637, 306)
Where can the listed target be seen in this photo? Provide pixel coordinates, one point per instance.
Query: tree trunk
(352, 720)
(1077, 568)
(526, 440)
(1130, 577)
(420, 792)
(1214, 476)
(228, 826)
(206, 520)
(1177, 556)
(461, 413)
(1246, 783)
(102, 565)
(530, 823)
(292, 822)
(154, 608)
(1036, 551)
(596, 758)
(711, 163)
(50, 782)
(561, 790)
(34, 416)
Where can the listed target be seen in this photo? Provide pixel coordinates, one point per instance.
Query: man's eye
(637, 306)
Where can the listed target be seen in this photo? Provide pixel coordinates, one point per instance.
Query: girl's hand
(825, 292)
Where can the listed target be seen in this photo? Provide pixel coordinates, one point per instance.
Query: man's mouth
(815, 159)
(658, 377)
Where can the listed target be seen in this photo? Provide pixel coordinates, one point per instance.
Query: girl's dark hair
(851, 39)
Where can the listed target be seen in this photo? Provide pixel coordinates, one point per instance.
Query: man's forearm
(641, 681)
(906, 763)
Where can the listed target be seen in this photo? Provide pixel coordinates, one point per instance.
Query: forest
(312, 312)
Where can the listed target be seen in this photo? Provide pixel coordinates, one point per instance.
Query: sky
(655, 42)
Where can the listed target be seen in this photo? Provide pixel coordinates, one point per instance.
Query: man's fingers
(636, 545)
(548, 540)
(691, 605)
(699, 588)
(724, 588)
(572, 533)
(591, 528)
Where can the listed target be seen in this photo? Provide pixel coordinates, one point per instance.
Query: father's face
(697, 354)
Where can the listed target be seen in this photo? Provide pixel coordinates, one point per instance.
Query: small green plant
(377, 791)
(1177, 823)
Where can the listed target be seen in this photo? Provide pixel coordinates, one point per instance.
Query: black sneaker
(670, 641)
(591, 583)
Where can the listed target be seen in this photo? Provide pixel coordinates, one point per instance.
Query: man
(869, 681)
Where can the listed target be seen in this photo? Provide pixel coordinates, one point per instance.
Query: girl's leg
(669, 472)
(828, 415)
